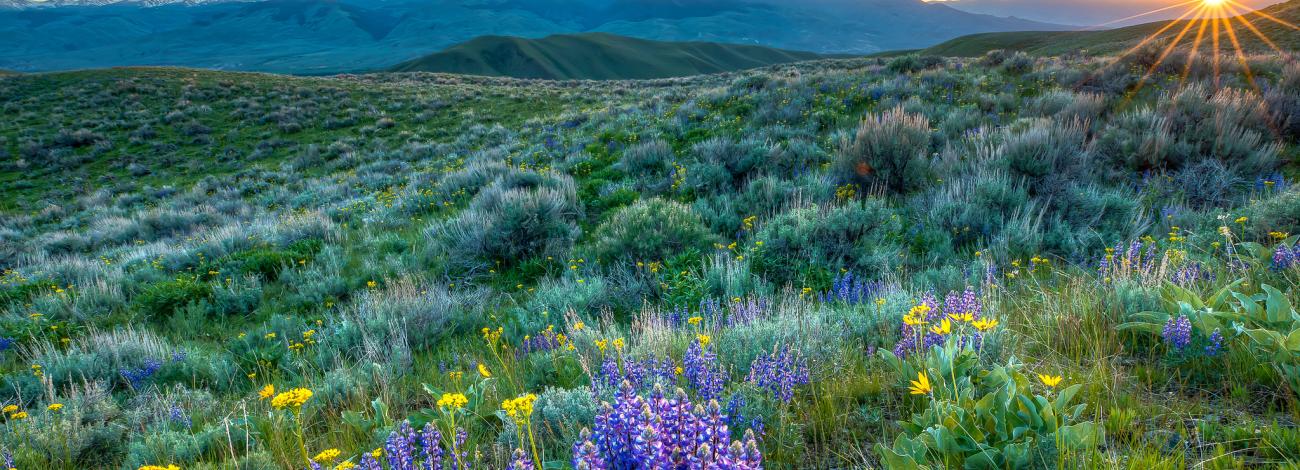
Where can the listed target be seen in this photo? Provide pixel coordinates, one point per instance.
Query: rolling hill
(1049, 43)
(596, 56)
(331, 36)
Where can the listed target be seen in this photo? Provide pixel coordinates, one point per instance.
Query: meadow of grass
(908, 262)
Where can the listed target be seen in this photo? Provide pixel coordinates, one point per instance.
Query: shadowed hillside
(596, 56)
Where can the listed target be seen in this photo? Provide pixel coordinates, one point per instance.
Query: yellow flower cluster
(452, 401)
(703, 339)
(266, 392)
(916, 316)
(291, 399)
(160, 467)
(327, 456)
(483, 371)
(519, 409)
(492, 336)
(55, 407)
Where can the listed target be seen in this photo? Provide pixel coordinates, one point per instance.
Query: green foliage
(987, 418)
(889, 151)
(860, 236)
(163, 299)
(650, 230)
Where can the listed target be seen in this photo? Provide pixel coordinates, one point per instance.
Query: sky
(1082, 12)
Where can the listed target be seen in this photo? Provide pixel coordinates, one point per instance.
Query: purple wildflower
(703, 372)
(1284, 258)
(662, 432)
(1178, 332)
(1216, 344)
(521, 461)
(779, 372)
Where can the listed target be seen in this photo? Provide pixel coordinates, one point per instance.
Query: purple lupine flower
(849, 289)
(521, 461)
(369, 463)
(1215, 345)
(179, 356)
(1178, 332)
(703, 372)
(9, 460)
(178, 416)
(662, 433)
(1284, 258)
(312, 465)
(137, 376)
(399, 449)
(431, 442)
(460, 453)
(6, 343)
(779, 372)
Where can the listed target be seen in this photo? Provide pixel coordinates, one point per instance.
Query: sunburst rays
(1220, 20)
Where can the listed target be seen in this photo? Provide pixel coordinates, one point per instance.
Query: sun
(1213, 3)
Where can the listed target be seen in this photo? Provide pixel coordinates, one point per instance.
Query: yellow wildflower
(920, 386)
(452, 401)
(266, 392)
(346, 465)
(1050, 380)
(327, 456)
(291, 399)
(10, 409)
(483, 371)
(55, 407)
(703, 339)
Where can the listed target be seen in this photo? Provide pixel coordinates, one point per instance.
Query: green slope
(1049, 43)
(596, 56)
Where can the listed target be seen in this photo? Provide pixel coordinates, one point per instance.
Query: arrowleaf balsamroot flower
(55, 407)
(327, 456)
(483, 371)
(921, 386)
(266, 392)
(291, 399)
(1050, 380)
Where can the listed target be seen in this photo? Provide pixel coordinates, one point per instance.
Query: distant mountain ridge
(596, 56)
(329, 36)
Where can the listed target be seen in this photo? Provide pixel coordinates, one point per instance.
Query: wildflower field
(911, 262)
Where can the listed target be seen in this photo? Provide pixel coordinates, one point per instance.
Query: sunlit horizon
(1100, 13)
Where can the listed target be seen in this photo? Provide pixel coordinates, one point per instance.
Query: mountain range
(596, 56)
(328, 36)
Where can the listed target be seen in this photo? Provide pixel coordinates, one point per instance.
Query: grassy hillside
(596, 56)
(1048, 43)
(1003, 262)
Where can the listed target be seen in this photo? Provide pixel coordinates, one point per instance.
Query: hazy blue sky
(1082, 12)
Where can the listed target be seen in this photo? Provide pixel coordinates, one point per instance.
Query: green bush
(508, 226)
(861, 236)
(650, 230)
(163, 299)
(889, 150)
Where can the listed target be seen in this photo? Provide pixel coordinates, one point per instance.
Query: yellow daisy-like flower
(920, 386)
(346, 465)
(266, 392)
(943, 328)
(519, 409)
(377, 453)
(18, 416)
(327, 456)
(10, 408)
(1050, 380)
(985, 324)
(291, 399)
(483, 371)
(601, 343)
(579, 326)
(618, 344)
(694, 320)
(452, 401)
(703, 339)
(55, 407)
(160, 467)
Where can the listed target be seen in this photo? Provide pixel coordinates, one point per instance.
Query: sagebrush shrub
(859, 236)
(650, 230)
(509, 225)
(889, 150)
